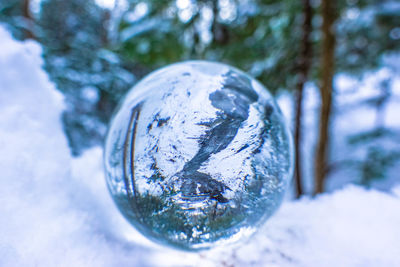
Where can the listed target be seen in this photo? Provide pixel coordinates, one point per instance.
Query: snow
(109, 4)
(49, 215)
(352, 227)
(55, 210)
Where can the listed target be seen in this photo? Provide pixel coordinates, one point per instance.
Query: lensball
(197, 154)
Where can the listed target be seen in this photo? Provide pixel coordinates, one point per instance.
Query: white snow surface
(56, 211)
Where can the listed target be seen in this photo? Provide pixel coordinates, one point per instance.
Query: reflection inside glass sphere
(197, 154)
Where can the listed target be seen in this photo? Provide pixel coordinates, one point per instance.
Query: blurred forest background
(304, 51)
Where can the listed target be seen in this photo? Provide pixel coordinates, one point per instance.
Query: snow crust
(56, 211)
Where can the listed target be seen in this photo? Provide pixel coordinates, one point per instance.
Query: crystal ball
(198, 153)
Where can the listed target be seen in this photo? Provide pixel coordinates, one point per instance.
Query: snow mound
(351, 227)
(47, 215)
(56, 211)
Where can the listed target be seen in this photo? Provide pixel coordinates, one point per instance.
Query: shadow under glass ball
(198, 154)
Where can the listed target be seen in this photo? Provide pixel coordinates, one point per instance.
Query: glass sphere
(198, 153)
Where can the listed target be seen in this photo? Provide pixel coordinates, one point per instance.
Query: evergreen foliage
(94, 64)
(92, 77)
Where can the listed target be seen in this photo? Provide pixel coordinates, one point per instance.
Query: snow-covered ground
(55, 210)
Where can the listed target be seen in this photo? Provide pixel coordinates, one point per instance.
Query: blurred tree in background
(78, 59)
(94, 54)
(17, 15)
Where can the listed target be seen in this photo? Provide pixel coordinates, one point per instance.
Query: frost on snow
(56, 211)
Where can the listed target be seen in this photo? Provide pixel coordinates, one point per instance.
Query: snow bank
(47, 217)
(56, 211)
(352, 227)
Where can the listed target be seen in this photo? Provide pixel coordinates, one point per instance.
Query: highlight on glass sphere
(198, 154)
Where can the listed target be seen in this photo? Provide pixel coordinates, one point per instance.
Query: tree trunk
(105, 30)
(29, 20)
(304, 67)
(219, 31)
(326, 88)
